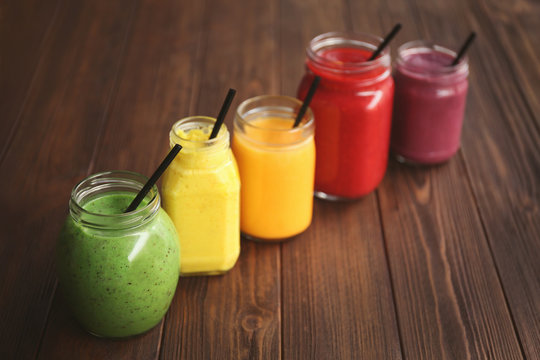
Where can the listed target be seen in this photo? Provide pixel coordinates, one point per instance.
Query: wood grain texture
(24, 33)
(450, 303)
(439, 256)
(153, 88)
(235, 315)
(438, 263)
(501, 149)
(337, 296)
(516, 25)
(502, 152)
(49, 152)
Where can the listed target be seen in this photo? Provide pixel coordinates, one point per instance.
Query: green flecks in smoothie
(111, 279)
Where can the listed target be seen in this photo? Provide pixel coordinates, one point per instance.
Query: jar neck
(198, 151)
(108, 183)
(343, 57)
(267, 121)
(429, 62)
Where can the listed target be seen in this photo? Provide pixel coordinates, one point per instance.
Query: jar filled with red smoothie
(429, 103)
(353, 113)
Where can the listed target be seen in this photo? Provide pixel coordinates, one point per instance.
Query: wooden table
(440, 262)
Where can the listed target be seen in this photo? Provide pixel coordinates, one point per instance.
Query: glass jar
(429, 104)
(201, 194)
(353, 113)
(277, 167)
(117, 271)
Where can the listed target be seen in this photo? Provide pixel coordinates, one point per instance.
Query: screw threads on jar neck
(110, 182)
(198, 151)
(432, 67)
(205, 124)
(322, 53)
(282, 110)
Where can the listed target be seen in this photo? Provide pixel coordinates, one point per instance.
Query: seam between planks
(278, 74)
(200, 54)
(114, 89)
(15, 126)
(493, 259)
(105, 118)
(503, 54)
(528, 109)
(389, 271)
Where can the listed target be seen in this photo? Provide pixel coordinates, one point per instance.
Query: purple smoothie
(429, 103)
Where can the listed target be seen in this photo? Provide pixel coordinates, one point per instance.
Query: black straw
(155, 176)
(385, 42)
(464, 48)
(223, 113)
(307, 100)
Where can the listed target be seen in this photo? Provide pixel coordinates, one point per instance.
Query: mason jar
(117, 271)
(430, 103)
(277, 167)
(201, 194)
(353, 112)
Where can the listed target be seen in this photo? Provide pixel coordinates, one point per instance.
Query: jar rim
(241, 114)
(349, 40)
(193, 143)
(105, 181)
(424, 46)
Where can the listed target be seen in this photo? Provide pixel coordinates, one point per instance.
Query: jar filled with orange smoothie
(201, 194)
(276, 162)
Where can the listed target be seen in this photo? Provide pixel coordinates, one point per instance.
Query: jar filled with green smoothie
(117, 271)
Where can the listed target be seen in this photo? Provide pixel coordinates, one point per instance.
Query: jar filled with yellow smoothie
(276, 162)
(201, 194)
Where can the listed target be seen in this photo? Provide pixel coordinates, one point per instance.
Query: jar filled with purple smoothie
(429, 103)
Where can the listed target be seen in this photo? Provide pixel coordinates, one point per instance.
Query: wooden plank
(235, 315)
(153, 90)
(337, 295)
(515, 25)
(449, 299)
(51, 150)
(24, 26)
(501, 148)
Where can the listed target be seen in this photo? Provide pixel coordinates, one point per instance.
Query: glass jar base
(266, 240)
(407, 161)
(204, 273)
(121, 337)
(329, 197)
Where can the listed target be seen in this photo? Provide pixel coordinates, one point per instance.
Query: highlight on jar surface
(276, 162)
(117, 270)
(430, 102)
(201, 194)
(353, 112)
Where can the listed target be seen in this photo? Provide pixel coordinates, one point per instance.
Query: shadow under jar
(117, 271)
(277, 166)
(429, 103)
(353, 113)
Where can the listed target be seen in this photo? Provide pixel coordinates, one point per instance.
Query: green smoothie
(118, 281)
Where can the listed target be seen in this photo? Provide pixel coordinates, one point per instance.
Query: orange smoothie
(277, 167)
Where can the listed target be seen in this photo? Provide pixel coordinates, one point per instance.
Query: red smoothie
(353, 112)
(429, 103)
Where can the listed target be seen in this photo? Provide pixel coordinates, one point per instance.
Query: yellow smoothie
(277, 167)
(201, 194)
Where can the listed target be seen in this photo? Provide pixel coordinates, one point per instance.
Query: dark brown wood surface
(439, 262)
